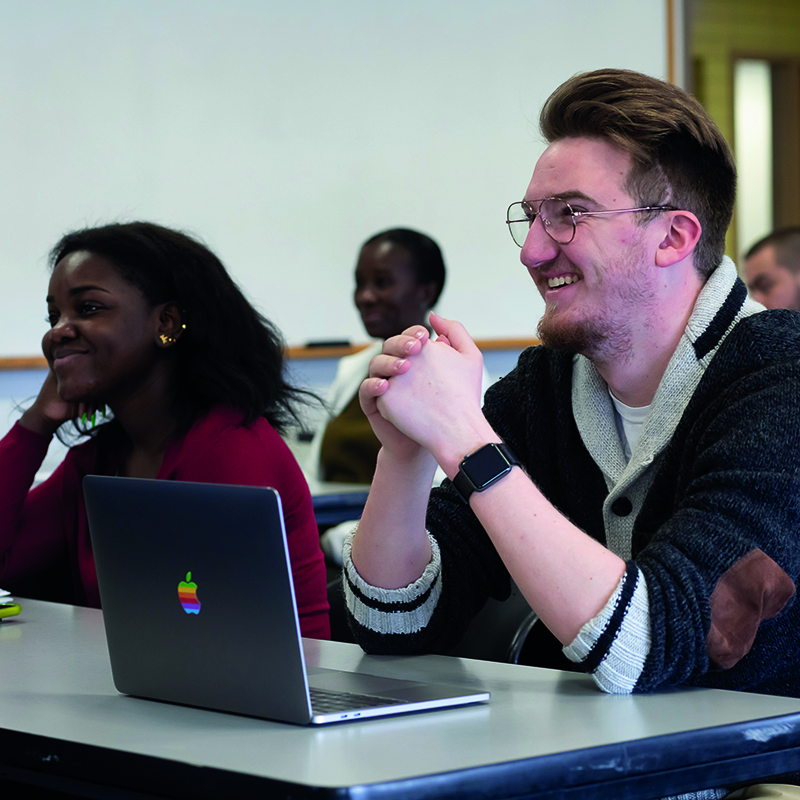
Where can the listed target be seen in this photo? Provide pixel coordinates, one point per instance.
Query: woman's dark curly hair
(229, 354)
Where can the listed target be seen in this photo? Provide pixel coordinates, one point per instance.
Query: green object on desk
(9, 610)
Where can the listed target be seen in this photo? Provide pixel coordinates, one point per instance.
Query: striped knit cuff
(614, 645)
(406, 610)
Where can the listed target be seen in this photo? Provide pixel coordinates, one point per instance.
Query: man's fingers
(404, 345)
(453, 333)
(417, 332)
(373, 387)
(383, 366)
(369, 392)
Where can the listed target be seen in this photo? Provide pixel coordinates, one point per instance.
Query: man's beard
(606, 336)
(586, 337)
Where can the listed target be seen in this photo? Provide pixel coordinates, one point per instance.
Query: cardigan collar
(722, 302)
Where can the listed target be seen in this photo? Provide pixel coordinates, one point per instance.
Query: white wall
(286, 133)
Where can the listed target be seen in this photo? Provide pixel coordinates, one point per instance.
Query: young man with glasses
(635, 476)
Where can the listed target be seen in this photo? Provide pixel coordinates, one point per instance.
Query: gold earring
(165, 340)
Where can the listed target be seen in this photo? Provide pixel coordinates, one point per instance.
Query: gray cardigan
(706, 512)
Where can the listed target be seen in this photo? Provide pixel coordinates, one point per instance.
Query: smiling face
(599, 288)
(769, 282)
(102, 343)
(387, 294)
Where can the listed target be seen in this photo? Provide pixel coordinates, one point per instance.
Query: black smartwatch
(479, 470)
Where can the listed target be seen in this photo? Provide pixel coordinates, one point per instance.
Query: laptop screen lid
(197, 596)
(199, 606)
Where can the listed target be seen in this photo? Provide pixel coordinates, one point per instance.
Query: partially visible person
(638, 475)
(146, 322)
(399, 277)
(772, 269)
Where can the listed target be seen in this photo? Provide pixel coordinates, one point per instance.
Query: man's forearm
(566, 576)
(391, 548)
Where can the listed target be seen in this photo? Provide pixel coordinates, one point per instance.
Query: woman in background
(399, 276)
(146, 321)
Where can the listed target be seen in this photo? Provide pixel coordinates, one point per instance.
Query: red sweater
(46, 527)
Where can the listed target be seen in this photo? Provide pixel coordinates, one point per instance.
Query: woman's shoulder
(225, 421)
(220, 448)
(223, 428)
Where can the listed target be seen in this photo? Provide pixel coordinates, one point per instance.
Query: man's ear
(171, 325)
(680, 238)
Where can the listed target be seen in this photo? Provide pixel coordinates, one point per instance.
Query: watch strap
(474, 476)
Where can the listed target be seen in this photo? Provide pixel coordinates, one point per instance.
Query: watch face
(486, 466)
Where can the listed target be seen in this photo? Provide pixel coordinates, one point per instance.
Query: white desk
(544, 734)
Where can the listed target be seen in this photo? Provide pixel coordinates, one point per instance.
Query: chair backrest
(499, 630)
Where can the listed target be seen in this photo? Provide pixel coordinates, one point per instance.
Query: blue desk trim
(643, 768)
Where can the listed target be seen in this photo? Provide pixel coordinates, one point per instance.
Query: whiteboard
(284, 134)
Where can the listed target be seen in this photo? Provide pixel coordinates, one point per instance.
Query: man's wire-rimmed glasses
(559, 219)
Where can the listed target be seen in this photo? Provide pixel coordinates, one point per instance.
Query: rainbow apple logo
(187, 594)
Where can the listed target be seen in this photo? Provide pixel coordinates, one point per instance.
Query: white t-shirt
(629, 424)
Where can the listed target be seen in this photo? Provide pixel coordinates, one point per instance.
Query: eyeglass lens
(556, 217)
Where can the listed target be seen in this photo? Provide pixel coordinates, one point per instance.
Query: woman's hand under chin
(49, 411)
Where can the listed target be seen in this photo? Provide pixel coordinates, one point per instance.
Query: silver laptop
(199, 607)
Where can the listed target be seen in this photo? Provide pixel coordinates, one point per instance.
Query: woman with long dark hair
(146, 322)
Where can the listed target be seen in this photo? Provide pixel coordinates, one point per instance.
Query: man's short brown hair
(679, 157)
